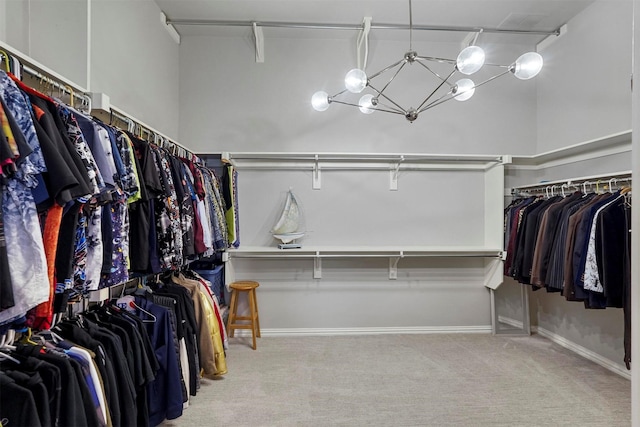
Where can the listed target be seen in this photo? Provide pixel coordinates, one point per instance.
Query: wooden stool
(248, 286)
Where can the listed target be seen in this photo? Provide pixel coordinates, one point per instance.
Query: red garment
(30, 90)
(44, 311)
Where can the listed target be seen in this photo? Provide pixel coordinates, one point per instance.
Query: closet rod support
(317, 266)
(393, 266)
(393, 177)
(317, 179)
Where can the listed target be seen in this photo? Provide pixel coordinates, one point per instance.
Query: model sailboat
(287, 229)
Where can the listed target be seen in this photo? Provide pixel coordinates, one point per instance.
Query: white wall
(430, 294)
(17, 24)
(131, 57)
(53, 33)
(3, 19)
(230, 103)
(584, 92)
(134, 60)
(356, 208)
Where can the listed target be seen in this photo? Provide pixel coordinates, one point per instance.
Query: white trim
(303, 332)
(170, 28)
(606, 363)
(608, 145)
(612, 151)
(511, 322)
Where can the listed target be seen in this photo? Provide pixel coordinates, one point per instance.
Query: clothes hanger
(148, 313)
(5, 344)
(71, 96)
(5, 356)
(26, 339)
(128, 300)
(11, 336)
(7, 62)
(49, 335)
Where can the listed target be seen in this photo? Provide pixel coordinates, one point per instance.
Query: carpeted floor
(409, 380)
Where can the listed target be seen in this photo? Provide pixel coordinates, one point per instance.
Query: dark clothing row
(134, 361)
(579, 245)
(131, 378)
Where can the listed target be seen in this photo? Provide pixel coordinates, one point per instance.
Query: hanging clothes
(577, 245)
(230, 194)
(26, 259)
(212, 357)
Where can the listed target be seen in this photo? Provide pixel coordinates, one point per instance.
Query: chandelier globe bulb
(355, 81)
(320, 101)
(527, 66)
(367, 104)
(470, 60)
(464, 89)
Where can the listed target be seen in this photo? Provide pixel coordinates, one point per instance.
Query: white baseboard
(511, 322)
(609, 364)
(282, 332)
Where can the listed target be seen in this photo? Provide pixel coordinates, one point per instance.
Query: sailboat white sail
(287, 227)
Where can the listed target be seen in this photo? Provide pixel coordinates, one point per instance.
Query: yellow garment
(6, 128)
(138, 194)
(212, 359)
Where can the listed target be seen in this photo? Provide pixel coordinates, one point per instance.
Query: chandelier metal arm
(384, 70)
(486, 64)
(435, 90)
(387, 98)
(339, 93)
(435, 59)
(389, 108)
(438, 102)
(436, 74)
(393, 77)
(377, 109)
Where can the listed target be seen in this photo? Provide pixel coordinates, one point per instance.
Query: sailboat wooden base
(289, 246)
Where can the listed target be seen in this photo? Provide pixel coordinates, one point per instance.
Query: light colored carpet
(409, 380)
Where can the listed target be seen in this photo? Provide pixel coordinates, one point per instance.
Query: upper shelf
(611, 144)
(366, 161)
(365, 251)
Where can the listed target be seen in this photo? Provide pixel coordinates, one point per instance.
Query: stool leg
(255, 302)
(252, 304)
(232, 313)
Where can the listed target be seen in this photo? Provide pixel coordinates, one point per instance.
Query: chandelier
(469, 61)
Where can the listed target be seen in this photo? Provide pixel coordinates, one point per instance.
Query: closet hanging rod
(603, 178)
(25, 59)
(357, 27)
(362, 156)
(52, 80)
(436, 254)
(128, 119)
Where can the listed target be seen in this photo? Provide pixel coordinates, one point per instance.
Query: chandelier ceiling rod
(357, 27)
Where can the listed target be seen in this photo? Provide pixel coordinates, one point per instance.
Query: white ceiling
(544, 15)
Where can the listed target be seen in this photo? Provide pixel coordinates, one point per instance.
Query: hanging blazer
(212, 358)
